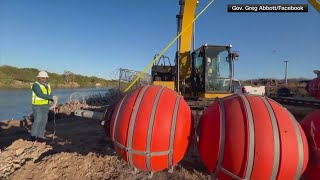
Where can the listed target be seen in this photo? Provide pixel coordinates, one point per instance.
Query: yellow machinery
(200, 76)
(205, 73)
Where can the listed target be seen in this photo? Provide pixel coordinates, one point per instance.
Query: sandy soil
(80, 150)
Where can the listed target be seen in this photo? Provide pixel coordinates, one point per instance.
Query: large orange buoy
(311, 127)
(150, 128)
(251, 137)
(314, 88)
(313, 169)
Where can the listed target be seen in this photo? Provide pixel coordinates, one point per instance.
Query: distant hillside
(13, 77)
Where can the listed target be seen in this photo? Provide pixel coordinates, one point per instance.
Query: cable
(166, 48)
(54, 118)
(54, 121)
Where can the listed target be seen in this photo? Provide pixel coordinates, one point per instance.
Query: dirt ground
(80, 150)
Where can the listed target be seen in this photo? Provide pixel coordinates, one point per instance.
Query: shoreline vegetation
(22, 78)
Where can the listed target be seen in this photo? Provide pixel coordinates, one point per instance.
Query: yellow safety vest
(37, 100)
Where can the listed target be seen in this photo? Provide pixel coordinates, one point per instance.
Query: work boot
(42, 139)
(33, 138)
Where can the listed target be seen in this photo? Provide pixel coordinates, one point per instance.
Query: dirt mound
(28, 160)
(71, 166)
(19, 154)
(75, 166)
(80, 150)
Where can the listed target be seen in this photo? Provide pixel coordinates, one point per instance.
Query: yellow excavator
(204, 73)
(200, 75)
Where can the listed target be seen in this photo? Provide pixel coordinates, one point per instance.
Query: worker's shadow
(13, 130)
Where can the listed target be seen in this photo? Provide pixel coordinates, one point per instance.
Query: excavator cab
(204, 73)
(212, 71)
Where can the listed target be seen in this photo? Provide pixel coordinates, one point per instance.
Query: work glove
(55, 100)
(55, 103)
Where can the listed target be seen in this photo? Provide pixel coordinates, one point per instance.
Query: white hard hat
(43, 74)
(208, 60)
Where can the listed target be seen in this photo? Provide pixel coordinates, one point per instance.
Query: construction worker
(41, 97)
(208, 77)
(209, 66)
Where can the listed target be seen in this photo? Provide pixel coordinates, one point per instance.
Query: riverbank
(16, 103)
(13, 77)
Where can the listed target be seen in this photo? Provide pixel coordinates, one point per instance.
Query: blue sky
(96, 37)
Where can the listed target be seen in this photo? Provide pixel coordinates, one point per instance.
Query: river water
(16, 103)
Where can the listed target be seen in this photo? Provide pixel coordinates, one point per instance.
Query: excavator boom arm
(186, 17)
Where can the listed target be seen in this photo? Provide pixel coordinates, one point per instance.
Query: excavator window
(218, 70)
(198, 65)
(212, 68)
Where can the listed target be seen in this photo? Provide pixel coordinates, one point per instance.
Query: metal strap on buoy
(150, 128)
(251, 138)
(300, 146)
(223, 139)
(173, 128)
(132, 123)
(276, 139)
(251, 141)
(115, 127)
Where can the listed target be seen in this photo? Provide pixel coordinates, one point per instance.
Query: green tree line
(9, 76)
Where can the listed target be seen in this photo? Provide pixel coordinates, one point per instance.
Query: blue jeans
(40, 119)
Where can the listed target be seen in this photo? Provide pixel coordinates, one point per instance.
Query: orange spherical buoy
(251, 137)
(311, 127)
(314, 88)
(150, 128)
